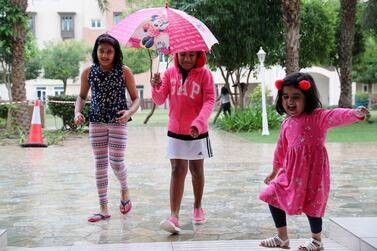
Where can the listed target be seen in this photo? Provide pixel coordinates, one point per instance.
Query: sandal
(275, 242)
(98, 217)
(311, 245)
(125, 206)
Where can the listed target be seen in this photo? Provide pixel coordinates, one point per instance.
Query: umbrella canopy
(166, 30)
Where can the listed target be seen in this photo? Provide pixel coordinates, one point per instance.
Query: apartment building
(57, 20)
(82, 20)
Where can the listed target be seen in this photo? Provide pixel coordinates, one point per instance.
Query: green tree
(365, 71)
(103, 5)
(32, 62)
(317, 32)
(137, 59)
(370, 17)
(61, 60)
(13, 23)
(133, 5)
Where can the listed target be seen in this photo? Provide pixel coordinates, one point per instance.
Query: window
(31, 22)
(58, 91)
(117, 17)
(67, 25)
(96, 23)
(365, 88)
(41, 93)
(140, 90)
(163, 58)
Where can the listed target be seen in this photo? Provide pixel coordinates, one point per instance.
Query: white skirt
(189, 149)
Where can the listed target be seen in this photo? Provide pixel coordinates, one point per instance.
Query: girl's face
(187, 60)
(293, 100)
(105, 54)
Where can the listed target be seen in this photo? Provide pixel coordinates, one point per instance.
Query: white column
(264, 109)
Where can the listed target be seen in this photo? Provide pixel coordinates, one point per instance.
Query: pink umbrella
(166, 30)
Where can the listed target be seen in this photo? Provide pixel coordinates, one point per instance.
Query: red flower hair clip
(304, 85)
(279, 84)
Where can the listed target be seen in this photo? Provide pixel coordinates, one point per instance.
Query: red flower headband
(303, 84)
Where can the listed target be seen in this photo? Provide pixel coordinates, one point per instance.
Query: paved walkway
(47, 193)
(228, 245)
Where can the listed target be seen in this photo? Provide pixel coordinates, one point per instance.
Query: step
(224, 245)
(3, 239)
(355, 233)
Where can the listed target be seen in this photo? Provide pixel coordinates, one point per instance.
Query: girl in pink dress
(300, 179)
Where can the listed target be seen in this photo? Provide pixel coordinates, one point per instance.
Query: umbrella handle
(158, 62)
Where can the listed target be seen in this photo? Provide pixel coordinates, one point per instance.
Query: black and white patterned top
(108, 94)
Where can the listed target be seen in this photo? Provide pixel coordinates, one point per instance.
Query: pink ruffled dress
(303, 182)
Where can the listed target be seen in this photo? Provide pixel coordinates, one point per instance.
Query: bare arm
(132, 91)
(80, 101)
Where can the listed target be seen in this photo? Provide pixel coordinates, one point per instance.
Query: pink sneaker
(171, 225)
(199, 216)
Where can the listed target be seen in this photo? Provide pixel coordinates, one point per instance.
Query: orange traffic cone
(35, 135)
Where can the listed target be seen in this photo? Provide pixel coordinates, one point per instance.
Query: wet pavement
(46, 194)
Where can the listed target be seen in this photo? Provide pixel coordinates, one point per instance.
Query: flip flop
(98, 217)
(125, 206)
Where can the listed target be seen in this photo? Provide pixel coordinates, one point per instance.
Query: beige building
(57, 20)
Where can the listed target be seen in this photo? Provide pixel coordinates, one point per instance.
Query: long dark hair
(312, 98)
(107, 39)
(224, 90)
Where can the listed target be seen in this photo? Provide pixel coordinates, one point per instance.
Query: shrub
(256, 96)
(361, 99)
(66, 110)
(361, 96)
(250, 119)
(4, 110)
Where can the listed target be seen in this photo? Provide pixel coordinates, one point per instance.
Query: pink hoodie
(190, 103)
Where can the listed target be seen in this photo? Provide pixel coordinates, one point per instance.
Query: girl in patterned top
(108, 79)
(300, 178)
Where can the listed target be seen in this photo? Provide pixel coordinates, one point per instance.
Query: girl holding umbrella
(189, 87)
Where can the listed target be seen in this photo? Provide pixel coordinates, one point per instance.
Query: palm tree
(102, 4)
(18, 67)
(291, 18)
(347, 33)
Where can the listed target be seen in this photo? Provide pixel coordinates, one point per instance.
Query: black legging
(226, 108)
(280, 220)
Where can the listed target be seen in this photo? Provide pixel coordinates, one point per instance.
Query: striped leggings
(108, 142)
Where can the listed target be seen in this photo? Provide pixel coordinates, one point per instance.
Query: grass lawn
(159, 118)
(358, 132)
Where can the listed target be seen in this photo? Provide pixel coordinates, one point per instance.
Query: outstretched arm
(340, 116)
